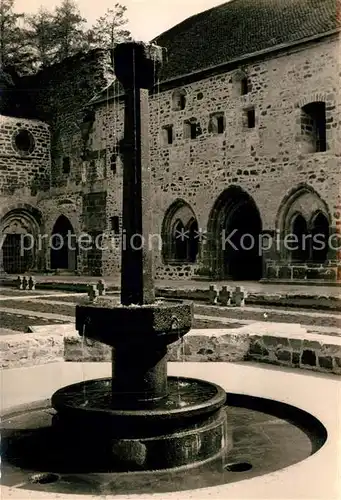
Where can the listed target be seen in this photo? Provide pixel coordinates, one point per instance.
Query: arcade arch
(233, 229)
(180, 234)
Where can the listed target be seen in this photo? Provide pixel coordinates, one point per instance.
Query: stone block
(326, 362)
(225, 296)
(285, 273)
(314, 274)
(233, 347)
(272, 341)
(284, 355)
(238, 296)
(272, 272)
(213, 294)
(258, 349)
(299, 273)
(309, 358)
(295, 358)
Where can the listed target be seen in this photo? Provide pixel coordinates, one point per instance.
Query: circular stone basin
(264, 436)
(183, 428)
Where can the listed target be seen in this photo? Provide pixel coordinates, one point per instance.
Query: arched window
(180, 234)
(300, 246)
(320, 236)
(179, 100)
(304, 213)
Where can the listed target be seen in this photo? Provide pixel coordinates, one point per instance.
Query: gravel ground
(32, 305)
(231, 313)
(66, 310)
(10, 292)
(273, 316)
(21, 323)
(74, 299)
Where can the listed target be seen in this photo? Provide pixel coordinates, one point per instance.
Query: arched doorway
(233, 230)
(63, 245)
(180, 235)
(19, 231)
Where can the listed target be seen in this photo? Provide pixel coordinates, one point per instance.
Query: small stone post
(213, 294)
(225, 296)
(101, 287)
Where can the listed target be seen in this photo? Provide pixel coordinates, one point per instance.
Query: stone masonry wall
(19, 169)
(57, 96)
(64, 90)
(268, 161)
(274, 344)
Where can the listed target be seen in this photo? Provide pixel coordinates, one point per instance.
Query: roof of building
(239, 28)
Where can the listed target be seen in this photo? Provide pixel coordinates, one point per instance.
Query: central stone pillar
(136, 65)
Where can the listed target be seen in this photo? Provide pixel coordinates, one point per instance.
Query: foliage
(108, 29)
(11, 43)
(32, 42)
(40, 35)
(68, 30)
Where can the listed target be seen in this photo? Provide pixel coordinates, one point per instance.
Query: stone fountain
(140, 419)
(139, 431)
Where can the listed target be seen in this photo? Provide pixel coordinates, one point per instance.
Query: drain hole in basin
(44, 478)
(238, 467)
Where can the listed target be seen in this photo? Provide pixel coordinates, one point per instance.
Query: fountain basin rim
(208, 406)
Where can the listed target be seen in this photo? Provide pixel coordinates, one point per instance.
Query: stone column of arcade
(140, 419)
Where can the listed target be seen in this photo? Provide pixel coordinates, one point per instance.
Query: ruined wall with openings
(209, 135)
(24, 155)
(268, 160)
(25, 171)
(52, 177)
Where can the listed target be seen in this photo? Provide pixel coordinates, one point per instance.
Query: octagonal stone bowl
(107, 321)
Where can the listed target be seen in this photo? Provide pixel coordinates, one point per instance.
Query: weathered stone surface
(268, 162)
(51, 343)
(326, 362)
(283, 355)
(308, 358)
(30, 349)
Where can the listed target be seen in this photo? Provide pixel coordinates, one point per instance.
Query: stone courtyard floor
(21, 309)
(251, 286)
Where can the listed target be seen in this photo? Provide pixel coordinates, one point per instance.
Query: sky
(147, 18)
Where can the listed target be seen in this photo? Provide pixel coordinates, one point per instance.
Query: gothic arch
(24, 208)
(304, 202)
(314, 97)
(180, 234)
(288, 206)
(63, 245)
(20, 227)
(235, 216)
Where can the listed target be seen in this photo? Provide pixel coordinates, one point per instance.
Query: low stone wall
(292, 271)
(276, 343)
(36, 348)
